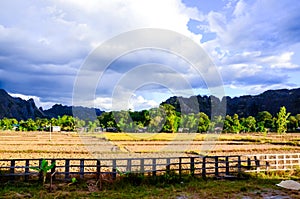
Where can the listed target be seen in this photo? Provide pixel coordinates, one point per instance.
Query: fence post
(216, 166)
(168, 166)
(26, 170)
(128, 165)
(53, 169)
(153, 167)
(180, 167)
(267, 165)
(204, 167)
(81, 168)
(67, 169)
(257, 163)
(40, 173)
(192, 166)
(284, 161)
(98, 166)
(227, 166)
(239, 165)
(142, 162)
(276, 161)
(12, 169)
(248, 163)
(114, 169)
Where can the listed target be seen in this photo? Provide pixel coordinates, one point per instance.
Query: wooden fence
(215, 166)
(273, 162)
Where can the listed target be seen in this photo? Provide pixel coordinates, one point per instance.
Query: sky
(44, 45)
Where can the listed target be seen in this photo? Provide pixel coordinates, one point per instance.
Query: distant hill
(78, 111)
(244, 106)
(14, 107)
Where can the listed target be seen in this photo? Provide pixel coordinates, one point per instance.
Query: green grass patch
(168, 185)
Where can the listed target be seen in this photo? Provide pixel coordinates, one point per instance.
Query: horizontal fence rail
(273, 162)
(205, 166)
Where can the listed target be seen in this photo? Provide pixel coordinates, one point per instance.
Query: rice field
(15, 145)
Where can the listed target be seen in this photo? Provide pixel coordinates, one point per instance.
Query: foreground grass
(166, 186)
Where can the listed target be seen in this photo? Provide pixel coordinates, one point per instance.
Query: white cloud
(281, 61)
(50, 40)
(140, 103)
(37, 100)
(43, 44)
(133, 103)
(240, 9)
(254, 40)
(104, 103)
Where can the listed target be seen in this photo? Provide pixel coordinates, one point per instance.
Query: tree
(265, 121)
(204, 122)
(41, 123)
(217, 122)
(236, 126)
(190, 122)
(228, 122)
(54, 122)
(107, 120)
(92, 126)
(156, 119)
(28, 125)
(232, 124)
(292, 123)
(31, 125)
(79, 123)
(22, 125)
(124, 121)
(66, 122)
(298, 119)
(140, 117)
(172, 120)
(282, 120)
(248, 124)
(7, 123)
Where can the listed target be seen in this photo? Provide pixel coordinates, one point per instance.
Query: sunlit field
(15, 145)
(117, 145)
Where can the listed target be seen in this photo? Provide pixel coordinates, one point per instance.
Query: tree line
(163, 119)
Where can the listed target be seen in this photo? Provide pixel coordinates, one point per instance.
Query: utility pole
(50, 135)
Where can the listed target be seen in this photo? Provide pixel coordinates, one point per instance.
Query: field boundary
(205, 166)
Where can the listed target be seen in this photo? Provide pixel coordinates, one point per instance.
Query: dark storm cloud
(44, 43)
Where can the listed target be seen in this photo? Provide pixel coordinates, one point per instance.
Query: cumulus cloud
(140, 103)
(253, 42)
(43, 45)
(36, 99)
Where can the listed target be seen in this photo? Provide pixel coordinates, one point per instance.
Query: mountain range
(271, 101)
(15, 107)
(244, 106)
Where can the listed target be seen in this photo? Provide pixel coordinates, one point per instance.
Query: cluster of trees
(263, 122)
(163, 119)
(67, 123)
(166, 119)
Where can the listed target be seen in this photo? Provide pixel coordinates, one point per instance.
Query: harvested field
(118, 145)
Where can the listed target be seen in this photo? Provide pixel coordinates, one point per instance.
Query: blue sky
(255, 45)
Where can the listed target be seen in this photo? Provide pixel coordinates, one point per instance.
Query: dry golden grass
(73, 145)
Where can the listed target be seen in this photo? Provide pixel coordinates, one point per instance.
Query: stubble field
(15, 145)
(118, 145)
